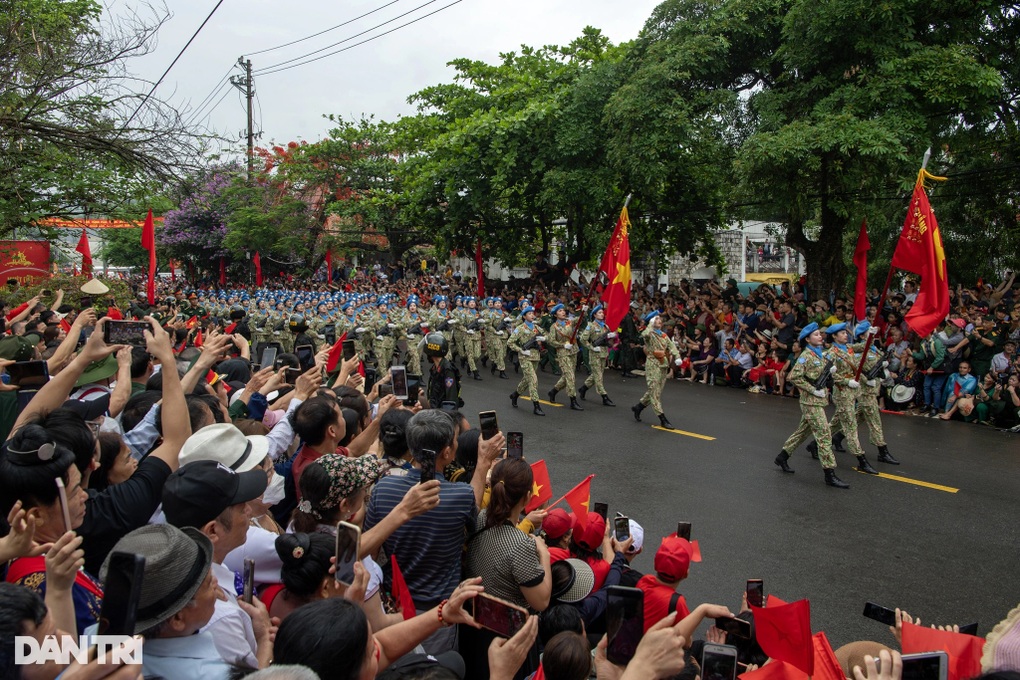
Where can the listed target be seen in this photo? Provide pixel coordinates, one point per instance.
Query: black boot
(637, 409)
(837, 442)
(502, 374)
(575, 405)
(664, 421)
(514, 396)
(812, 448)
(781, 462)
(628, 374)
(582, 390)
(485, 361)
(606, 401)
(476, 376)
(552, 394)
(517, 367)
(885, 457)
(463, 362)
(864, 466)
(538, 410)
(832, 480)
(492, 369)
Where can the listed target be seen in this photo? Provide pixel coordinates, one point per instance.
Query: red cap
(590, 538)
(673, 558)
(557, 523)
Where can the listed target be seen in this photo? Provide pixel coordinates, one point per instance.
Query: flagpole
(591, 291)
(881, 300)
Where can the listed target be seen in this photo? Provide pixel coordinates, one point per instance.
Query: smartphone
(683, 530)
(502, 618)
(398, 380)
(880, 614)
(291, 375)
(755, 590)
(268, 357)
(515, 445)
(602, 509)
(734, 626)
(719, 662)
(62, 494)
(126, 333)
(121, 594)
(46, 292)
(969, 629)
(248, 579)
(385, 389)
(413, 390)
(488, 424)
(349, 350)
(621, 527)
(927, 666)
(625, 623)
(29, 375)
(305, 355)
(84, 302)
(348, 541)
(428, 465)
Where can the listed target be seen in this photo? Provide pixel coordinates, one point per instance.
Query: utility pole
(244, 84)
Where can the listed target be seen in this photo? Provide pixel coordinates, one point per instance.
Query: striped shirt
(429, 547)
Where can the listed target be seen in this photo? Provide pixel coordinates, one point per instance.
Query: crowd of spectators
(198, 461)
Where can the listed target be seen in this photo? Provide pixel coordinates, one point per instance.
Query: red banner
(26, 261)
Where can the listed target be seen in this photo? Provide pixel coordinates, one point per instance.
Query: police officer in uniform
(806, 372)
(525, 340)
(444, 380)
(660, 350)
(561, 338)
(595, 338)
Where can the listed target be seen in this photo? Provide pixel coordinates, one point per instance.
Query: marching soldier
(471, 342)
(443, 321)
(807, 373)
(525, 341)
(496, 336)
(384, 327)
(660, 350)
(560, 337)
(415, 327)
(595, 338)
(548, 352)
(844, 393)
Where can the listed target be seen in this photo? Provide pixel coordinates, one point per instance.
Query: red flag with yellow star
(541, 489)
(616, 266)
(919, 250)
(579, 500)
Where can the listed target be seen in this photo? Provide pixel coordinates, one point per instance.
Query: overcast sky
(374, 78)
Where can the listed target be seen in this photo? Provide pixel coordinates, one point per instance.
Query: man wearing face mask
(227, 445)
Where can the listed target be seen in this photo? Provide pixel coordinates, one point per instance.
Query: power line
(209, 100)
(331, 28)
(367, 40)
(179, 55)
(214, 90)
(216, 106)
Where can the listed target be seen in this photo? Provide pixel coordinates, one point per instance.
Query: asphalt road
(945, 557)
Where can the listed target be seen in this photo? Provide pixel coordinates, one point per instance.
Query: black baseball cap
(199, 492)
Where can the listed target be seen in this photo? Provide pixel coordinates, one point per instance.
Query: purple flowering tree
(194, 233)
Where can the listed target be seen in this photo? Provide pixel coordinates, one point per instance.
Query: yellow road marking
(543, 401)
(685, 433)
(916, 482)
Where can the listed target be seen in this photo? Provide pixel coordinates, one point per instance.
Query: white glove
(885, 364)
(873, 330)
(526, 352)
(819, 393)
(391, 325)
(567, 345)
(500, 333)
(360, 329)
(540, 338)
(677, 362)
(852, 384)
(470, 332)
(276, 332)
(452, 321)
(832, 369)
(423, 324)
(872, 383)
(378, 337)
(611, 335)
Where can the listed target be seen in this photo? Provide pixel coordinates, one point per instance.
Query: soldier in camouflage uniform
(844, 393)
(442, 321)
(384, 327)
(561, 338)
(549, 352)
(496, 331)
(458, 348)
(364, 334)
(595, 338)
(415, 326)
(661, 351)
(806, 372)
(471, 341)
(525, 340)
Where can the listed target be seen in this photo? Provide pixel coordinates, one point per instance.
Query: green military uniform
(548, 352)
(495, 338)
(438, 318)
(471, 338)
(365, 318)
(656, 369)
(594, 339)
(805, 372)
(843, 396)
(867, 400)
(560, 336)
(521, 336)
(413, 334)
(384, 328)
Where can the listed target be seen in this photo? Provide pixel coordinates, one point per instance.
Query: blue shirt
(429, 547)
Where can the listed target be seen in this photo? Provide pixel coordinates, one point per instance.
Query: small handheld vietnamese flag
(86, 254)
(784, 633)
(229, 330)
(579, 500)
(336, 354)
(400, 591)
(541, 488)
(964, 650)
(190, 323)
(199, 340)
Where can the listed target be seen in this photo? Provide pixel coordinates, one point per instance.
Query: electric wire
(213, 91)
(331, 28)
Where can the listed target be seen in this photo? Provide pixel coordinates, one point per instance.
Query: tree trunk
(826, 270)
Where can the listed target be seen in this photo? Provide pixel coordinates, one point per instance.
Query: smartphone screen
(126, 333)
(927, 666)
(385, 389)
(602, 509)
(248, 579)
(428, 465)
(880, 614)
(29, 375)
(348, 538)
(683, 530)
(268, 357)
(719, 662)
(291, 375)
(621, 527)
(515, 445)
(413, 390)
(398, 379)
(734, 626)
(349, 350)
(62, 494)
(625, 622)
(488, 424)
(121, 593)
(500, 617)
(755, 590)
(305, 355)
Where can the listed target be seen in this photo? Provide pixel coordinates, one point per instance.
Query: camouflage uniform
(413, 335)
(437, 318)
(566, 357)
(593, 337)
(806, 370)
(867, 400)
(520, 337)
(843, 396)
(384, 328)
(471, 338)
(496, 337)
(656, 370)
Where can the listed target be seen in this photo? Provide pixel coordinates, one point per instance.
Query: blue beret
(651, 315)
(861, 329)
(836, 328)
(595, 310)
(556, 308)
(808, 330)
(527, 309)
